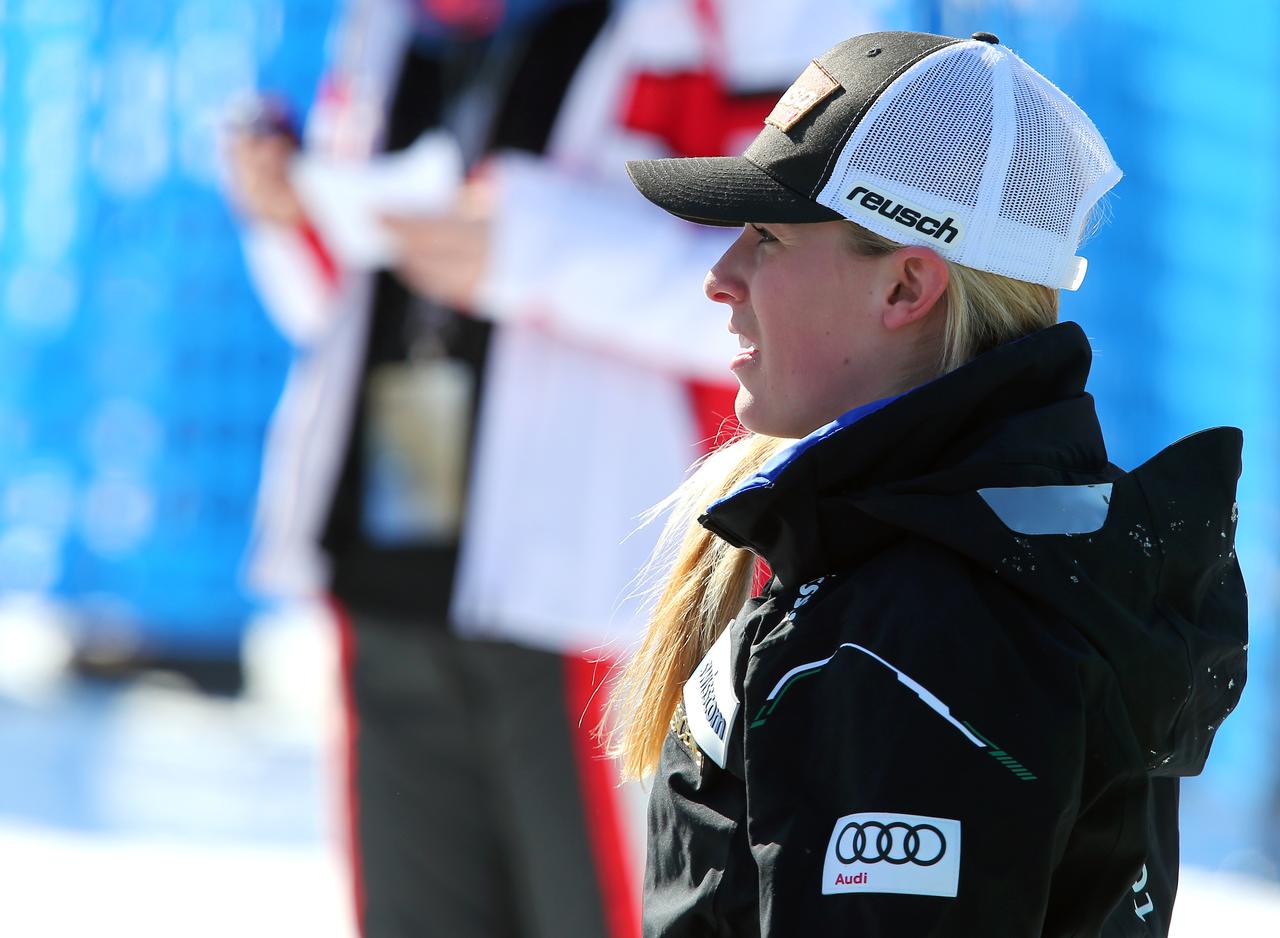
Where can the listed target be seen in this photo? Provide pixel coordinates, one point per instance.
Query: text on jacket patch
(806, 593)
(706, 685)
(710, 700)
(1145, 909)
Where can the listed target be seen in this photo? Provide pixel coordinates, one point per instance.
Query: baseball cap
(956, 144)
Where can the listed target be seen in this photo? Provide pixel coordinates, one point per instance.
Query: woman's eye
(764, 233)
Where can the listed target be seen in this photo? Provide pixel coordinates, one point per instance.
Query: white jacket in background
(600, 323)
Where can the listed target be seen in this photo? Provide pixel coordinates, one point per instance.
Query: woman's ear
(921, 279)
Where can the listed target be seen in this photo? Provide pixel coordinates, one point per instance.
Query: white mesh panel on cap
(974, 154)
(1058, 164)
(913, 140)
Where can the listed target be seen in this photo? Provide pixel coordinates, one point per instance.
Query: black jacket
(962, 706)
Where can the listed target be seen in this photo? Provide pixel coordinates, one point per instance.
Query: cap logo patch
(880, 207)
(813, 85)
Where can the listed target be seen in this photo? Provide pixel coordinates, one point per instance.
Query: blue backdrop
(137, 368)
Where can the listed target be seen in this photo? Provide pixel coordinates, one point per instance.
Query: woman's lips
(748, 353)
(746, 356)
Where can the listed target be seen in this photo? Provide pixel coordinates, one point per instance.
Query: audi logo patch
(897, 853)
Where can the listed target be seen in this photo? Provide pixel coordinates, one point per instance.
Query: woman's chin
(755, 416)
(747, 410)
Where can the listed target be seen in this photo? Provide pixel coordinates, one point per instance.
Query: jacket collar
(1018, 414)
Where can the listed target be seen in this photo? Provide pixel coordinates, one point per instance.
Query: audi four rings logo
(908, 854)
(896, 843)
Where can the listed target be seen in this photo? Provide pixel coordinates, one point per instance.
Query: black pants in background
(466, 789)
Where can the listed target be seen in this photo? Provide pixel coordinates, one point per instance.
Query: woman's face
(809, 314)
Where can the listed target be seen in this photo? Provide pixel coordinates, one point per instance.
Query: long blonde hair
(709, 579)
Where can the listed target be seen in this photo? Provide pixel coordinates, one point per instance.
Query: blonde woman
(962, 704)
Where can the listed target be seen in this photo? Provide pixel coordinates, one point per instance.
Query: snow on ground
(154, 812)
(60, 885)
(1211, 904)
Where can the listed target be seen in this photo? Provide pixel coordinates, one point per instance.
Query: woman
(961, 705)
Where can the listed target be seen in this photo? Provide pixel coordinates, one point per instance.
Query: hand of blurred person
(260, 176)
(443, 257)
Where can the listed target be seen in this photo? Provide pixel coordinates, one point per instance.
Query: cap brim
(722, 190)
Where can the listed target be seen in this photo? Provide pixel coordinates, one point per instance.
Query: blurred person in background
(466, 440)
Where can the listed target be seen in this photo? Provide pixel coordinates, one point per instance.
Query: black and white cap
(956, 144)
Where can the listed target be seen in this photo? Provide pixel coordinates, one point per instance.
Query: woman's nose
(715, 288)
(721, 283)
